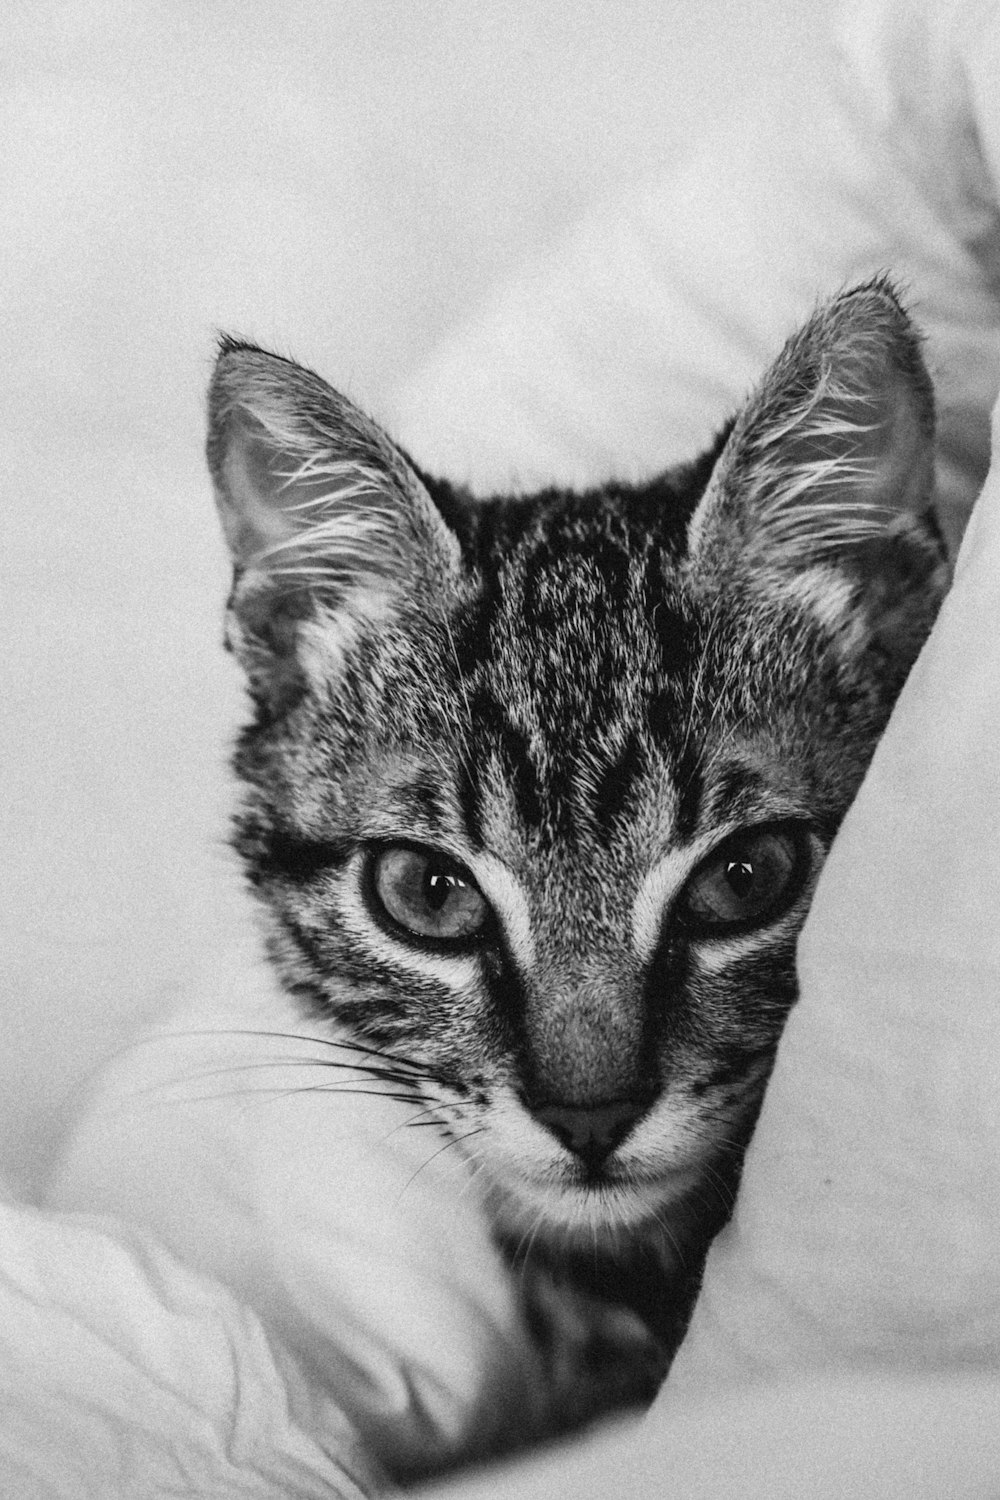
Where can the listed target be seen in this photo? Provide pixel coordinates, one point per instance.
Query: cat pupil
(740, 874)
(438, 886)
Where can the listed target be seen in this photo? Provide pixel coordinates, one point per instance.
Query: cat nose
(591, 1132)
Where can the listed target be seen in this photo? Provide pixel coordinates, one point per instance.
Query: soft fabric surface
(125, 1374)
(631, 343)
(837, 1437)
(251, 1147)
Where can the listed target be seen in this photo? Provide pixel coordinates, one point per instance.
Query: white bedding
(640, 334)
(242, 1139)
(126, 1375)
(864, 1257)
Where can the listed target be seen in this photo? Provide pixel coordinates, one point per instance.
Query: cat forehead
(578, 631)
(573, 602)
(541, 765)
(578, 672)
(577, 649)
(577, 838)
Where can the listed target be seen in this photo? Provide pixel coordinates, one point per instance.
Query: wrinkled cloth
(126, 1375)
(255, 1147)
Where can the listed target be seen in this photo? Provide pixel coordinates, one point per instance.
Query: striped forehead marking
(567, 717)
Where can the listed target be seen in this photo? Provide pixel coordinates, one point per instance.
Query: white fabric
(862, 1436)
(253, 1149)
(125, 1375)
(637, 338)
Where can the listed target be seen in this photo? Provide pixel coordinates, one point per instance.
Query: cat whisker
(262, 1094)
(521, 1256)
(343, 1086)
(340, 1086)
(472, 1168)
(357, 1085)
(456, 1140)
(405, 1067)
(362, 1071)
(672, 1240)
(433, 1110)
(346, 1044)
(725, 1190)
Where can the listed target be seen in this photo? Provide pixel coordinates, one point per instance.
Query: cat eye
(427, 894)
(749, 880)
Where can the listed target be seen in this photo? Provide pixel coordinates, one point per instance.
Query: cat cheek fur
(576, 697)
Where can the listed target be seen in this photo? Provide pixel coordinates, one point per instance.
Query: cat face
(538, 789)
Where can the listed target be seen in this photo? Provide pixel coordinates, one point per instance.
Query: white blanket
(247, 1143)
(125, 1375)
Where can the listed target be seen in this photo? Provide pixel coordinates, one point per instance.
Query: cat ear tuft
(329, 526)
(825, 484)
(836, 441)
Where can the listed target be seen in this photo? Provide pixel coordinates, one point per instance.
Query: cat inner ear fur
(329, 527)
(824, 486)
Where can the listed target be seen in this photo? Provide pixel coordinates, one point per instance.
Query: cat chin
(603, 1215)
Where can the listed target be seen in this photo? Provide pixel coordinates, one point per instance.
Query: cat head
(537, 788)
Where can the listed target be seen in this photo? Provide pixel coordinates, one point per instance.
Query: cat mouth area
(593, 1205)
(617, 1183)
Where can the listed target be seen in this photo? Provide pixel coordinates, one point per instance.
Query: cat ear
(825, 482)
(329, 526)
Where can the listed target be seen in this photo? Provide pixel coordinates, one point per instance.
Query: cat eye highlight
(748, 881)
(427, 894)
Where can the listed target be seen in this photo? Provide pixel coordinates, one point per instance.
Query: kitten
(537, 788)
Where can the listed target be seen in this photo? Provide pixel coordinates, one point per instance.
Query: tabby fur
(576, 697)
